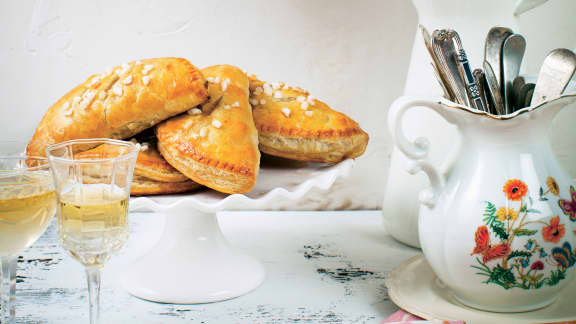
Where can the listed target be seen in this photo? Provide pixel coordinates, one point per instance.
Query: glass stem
(93, 277)
(7, 289)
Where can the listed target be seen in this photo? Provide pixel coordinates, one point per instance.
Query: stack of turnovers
(197, 127)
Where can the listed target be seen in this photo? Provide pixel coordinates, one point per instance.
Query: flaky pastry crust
(293, 125)
(143, 186)
(121, 102)
(153, 166)
(217, 145)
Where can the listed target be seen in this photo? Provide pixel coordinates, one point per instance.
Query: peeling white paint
(299, 250)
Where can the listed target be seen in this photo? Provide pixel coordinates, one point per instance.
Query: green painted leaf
(515, 254)
(525, 232)
(555, 277)
(543, 199)
(541, 192)
(531, 201)
(539, 284)
(489, 214)
(500, 231)
(503, 277)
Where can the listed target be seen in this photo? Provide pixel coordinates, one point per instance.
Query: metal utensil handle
(469, 81)
(481, 83)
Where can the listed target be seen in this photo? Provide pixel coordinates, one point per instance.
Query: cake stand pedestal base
(204, 267)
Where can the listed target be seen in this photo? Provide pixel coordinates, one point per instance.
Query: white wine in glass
(93, 190)
(27, 205)
(94, 222)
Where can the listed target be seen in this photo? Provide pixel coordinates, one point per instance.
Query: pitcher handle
(417, 151)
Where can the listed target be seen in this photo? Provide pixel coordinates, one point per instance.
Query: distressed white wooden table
(322, 267)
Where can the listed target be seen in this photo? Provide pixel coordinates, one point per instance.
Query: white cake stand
(193, 262)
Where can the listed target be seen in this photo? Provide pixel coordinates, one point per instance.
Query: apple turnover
(292, 124)
(121, 102)
(152, 174)
(215, 144)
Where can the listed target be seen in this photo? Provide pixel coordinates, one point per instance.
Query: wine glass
(93, 189)
(27, 205)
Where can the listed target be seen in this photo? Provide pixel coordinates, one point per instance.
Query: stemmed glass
(27, 205)
(93, 190)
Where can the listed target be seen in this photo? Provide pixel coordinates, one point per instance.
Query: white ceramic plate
(413, 287)
(279, 185)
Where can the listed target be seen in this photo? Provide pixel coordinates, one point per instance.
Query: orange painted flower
(515, 189)
(554, 231)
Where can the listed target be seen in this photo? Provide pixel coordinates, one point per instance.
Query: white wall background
(352, 54)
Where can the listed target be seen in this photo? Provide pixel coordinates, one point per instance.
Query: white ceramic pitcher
(472, 19)
(499, 226)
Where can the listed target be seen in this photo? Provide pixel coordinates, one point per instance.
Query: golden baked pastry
(291, 124)
(217, 145)
(143, 186)
(152, 174)
(150, 164)
(121, 102)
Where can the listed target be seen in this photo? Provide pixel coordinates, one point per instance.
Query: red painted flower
(538, 265)
(554, 231)
(515, 189)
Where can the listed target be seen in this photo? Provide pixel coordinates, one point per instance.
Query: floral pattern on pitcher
(532, 266)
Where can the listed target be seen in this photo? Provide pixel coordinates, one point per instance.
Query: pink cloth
(403, 317)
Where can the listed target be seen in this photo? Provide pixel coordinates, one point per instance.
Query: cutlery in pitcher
(480, 79)
(445, 50)
(493, 89)
(442, 83)
(555, 74)
(525, 95)
(517, 84)
(466, 74)
(529, 95)
(512, 54)
(493, 50)
(440, 76)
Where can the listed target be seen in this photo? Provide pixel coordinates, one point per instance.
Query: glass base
(7, 289)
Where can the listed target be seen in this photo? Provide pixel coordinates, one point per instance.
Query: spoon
(442, 83)
(512, 54)
(448, 93)
(517, 84)
(473, 93)
(445, 50)
(555, 74)
(493, 50)
(528, 98)
(525, 95)
(493, 89)
(480, 79)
